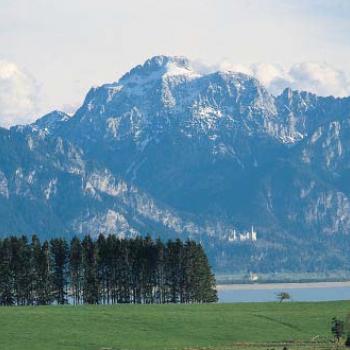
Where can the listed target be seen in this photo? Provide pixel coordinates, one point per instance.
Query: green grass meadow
(155, 327)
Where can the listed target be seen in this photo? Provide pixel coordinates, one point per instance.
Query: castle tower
(253, 234)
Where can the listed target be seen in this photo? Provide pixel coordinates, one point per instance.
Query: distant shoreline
(282, 285)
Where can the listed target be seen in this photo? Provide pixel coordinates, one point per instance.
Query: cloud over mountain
(18, 95)
(319, 78)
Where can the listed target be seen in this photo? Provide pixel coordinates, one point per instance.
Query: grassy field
(146, 327)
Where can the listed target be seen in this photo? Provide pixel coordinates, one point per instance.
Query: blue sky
(52, 52)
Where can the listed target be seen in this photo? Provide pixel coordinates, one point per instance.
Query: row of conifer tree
(108, 270)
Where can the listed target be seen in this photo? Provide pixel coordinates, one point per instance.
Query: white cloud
(18, 95)
(319, 78)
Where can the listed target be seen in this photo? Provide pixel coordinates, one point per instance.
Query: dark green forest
(108, 270)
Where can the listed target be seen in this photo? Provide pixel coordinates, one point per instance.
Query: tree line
(108, 270)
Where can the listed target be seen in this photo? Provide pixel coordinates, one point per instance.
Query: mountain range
(172, 152)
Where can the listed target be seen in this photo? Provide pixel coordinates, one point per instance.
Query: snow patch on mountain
(51, 189)
(4, 190)
(110, 221)
(105, 182)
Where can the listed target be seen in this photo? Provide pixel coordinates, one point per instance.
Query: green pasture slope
(155, 327)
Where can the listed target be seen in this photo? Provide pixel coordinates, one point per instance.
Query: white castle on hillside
(242, 237)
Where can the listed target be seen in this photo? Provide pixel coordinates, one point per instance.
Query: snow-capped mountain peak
(54, 117)
(159, 69)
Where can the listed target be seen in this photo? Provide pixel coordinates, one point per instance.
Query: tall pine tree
(89, 272)
(59, 269)
(75, 270)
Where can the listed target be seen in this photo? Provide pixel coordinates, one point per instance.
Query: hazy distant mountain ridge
(175, 152)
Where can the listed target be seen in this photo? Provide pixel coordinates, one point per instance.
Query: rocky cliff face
(169, 151)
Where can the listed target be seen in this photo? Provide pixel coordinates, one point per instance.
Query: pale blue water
(297, 294)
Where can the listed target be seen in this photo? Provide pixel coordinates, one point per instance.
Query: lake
(315, 291)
